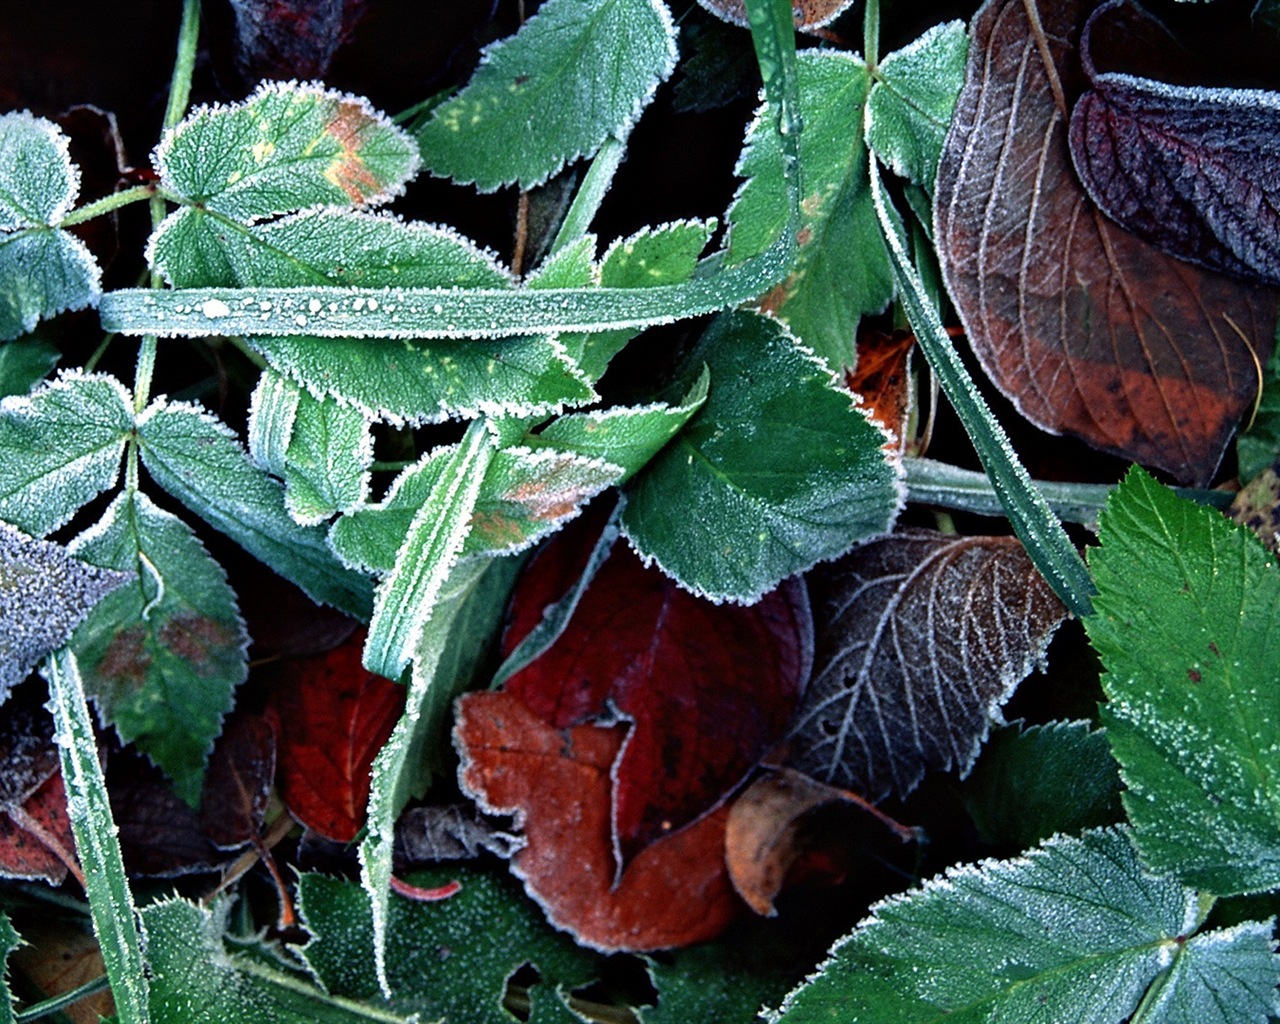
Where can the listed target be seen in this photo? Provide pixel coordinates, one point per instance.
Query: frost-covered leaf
(628, 437)
(404, 380)
(23, 363)
(328, 459)
(1076, 930)
(1188, 627)
(162, 657)
(525, 495)
(273, 409)
(920, 637)
(842, 271)
(196, 458)
(287, 147)
(43, 269)
(777, 471)
(489, 930)
(195, 979)
(60, 447)
(909, 109)
(1033, 781)
(44, 594)
(578, 72)
(9, 941)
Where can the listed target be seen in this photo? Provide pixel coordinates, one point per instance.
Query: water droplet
(215, 308)
(314, 306)
(300, 320)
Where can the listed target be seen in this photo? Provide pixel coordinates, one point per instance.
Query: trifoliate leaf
(161, 658)
(1188, 627)
(1034, 781)
(909, 109)
(43, 269)
(23, 363)
(287, 147)
(842, 270)
(328, 459)
(485, 933)
(44, 595)
(195, 979)
(196, 458)
(578, 72)
(778, 470)
(60, 448)
(1076, 930)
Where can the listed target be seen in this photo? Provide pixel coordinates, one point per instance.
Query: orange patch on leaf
(883, 378)
(348, 171)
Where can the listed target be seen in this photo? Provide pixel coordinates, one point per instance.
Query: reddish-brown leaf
(882, 377)
(1088, 329)
(557, 784)
(35, 831)
(160, 833)
(808, 13)
(238, 781)
(706, 689)
(334, 717)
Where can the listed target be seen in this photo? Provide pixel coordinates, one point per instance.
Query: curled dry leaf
(557, 783)
(1087, 328)
(808, 13)
(425, 835)
(707, 690)
(920, 637)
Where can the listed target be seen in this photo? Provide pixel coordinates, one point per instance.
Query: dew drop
(300, 320)
(215, 308)
(314, 306)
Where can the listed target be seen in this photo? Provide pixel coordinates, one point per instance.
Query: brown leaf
(808, 13)
(1257, 507)
(35, 831)
(1088, 329)
(425, 835)
(556, 782)
(59, 957)
(920, 637)
(238, 781)
(882, 378)
(160, 833)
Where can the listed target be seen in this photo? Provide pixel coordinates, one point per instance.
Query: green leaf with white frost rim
(1187, 625)
(9, 941)
(110, 901)
(196, 458)
(627, 436)
(43, 269)
(44, 594)
(779, 470)
(162, 657)
(578, 72)
(287, 147)
(1076, 930)
(909, 109)
(328, 459)
(273, 409)
(195, 979)
(842, 271)
(60, 448)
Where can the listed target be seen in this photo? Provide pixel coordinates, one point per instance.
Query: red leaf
(35, 831)
(706, 689)
(334, 718)
(557, 784)
(882, 378)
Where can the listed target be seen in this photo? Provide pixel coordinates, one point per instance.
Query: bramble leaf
(1188, 628)
(328, 459)
(60, 447)
(44, 594)
(196, 458)
(1074, 930)
(43, 269)
(287, 147)
(909, 108)
(842, 270)
(578, 72)
(729, 515)
(161, 658)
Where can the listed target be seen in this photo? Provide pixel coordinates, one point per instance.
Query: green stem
(591, 193)
(107, 204)
(184, 64)
(60, 1002)
(871, 35)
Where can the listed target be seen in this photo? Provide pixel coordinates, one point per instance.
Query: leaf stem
(591, 193)
(184, 64)
(107, 204)
(871, 36)
(59, 1002)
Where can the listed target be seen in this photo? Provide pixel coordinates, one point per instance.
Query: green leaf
(1033, 781)
(23, 363)
(628, 437)
(9, 941)
(110, 901)
(725, 981)
(909, 109)
(273, 410)
(43, 269)
(1187, 625)
(1076, 930)
(161, 658)
(195, 980)
(60, 448)
(489, 929)
(842, 271)
(778, 470)
(328, 459)
(578, 72)
(195, 458)
(287, 147)
(44, 594)
(1259, 446)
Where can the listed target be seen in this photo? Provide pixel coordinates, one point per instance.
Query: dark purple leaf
(1193, 171)
(236, 786)
(291, 38)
